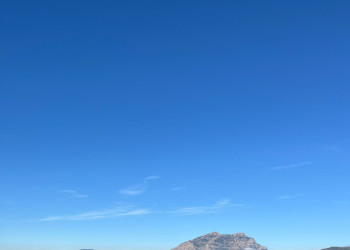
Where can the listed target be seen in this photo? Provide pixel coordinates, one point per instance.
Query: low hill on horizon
(337, 248)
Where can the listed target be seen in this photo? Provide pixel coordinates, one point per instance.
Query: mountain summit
(216, 241)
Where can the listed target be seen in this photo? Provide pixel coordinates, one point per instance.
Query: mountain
(216, 241)
(337, 248)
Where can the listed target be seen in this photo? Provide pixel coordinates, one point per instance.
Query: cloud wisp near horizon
(131, 210)
(219, 206)
(139, 188)
(290, 166)
(73, 193)
(102, 214)
(289, 196)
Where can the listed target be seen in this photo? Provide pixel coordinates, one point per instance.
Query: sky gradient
(138, 125)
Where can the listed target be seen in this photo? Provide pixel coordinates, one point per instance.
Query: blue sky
(142, 124)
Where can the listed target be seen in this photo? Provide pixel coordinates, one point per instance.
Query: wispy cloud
(130, 210)
(134, 190)
(177, 188)
(151, 178)
(139, 188)
(215, 208)
(288, 196)
(73, 193)
(103, 214)
(295, 165)
(284, 197)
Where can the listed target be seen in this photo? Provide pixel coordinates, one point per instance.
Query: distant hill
(216, 241)
(337, 248)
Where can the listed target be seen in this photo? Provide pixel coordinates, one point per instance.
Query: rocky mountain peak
(213, 233)
(240, 235)
(216, 241)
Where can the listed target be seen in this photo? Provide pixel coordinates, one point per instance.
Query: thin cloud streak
(121, 211)
(133, 190)
(295, 165)
(153, 177)
(138, 189)
(103, 214)
(215, 208)
(288, 196)
(284, 197)
(177, 188)
(73, 193)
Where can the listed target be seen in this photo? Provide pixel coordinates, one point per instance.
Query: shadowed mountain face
(216, 241)
(337, 248)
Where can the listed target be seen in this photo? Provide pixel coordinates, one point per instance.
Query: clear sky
(143, 124)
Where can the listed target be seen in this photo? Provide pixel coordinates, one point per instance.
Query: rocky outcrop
(216, 241)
